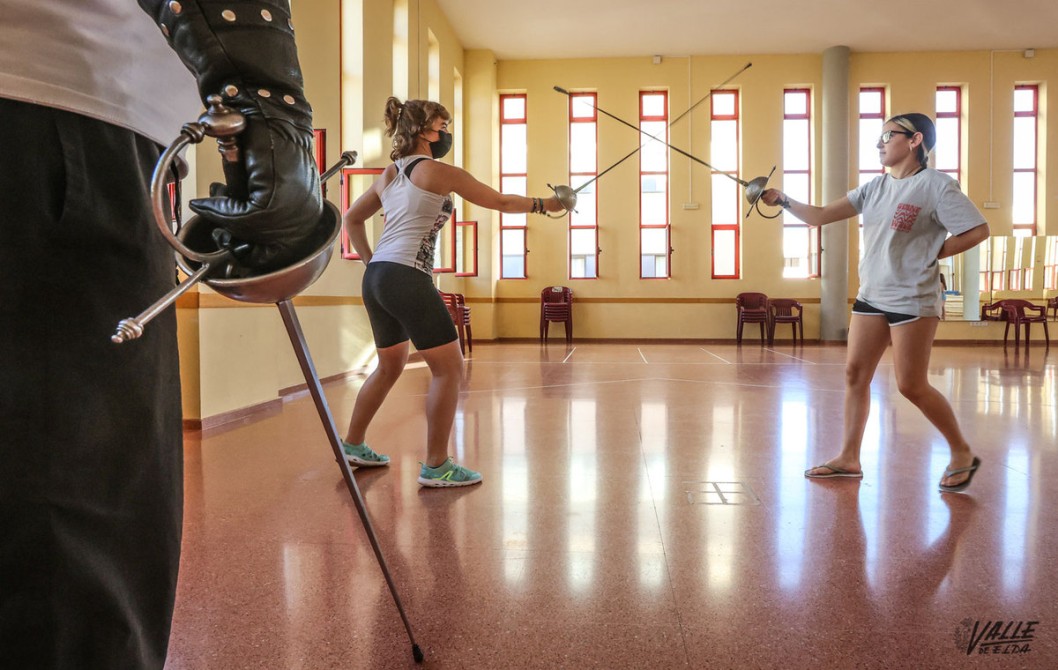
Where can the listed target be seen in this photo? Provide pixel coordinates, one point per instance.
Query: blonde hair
(404, 121)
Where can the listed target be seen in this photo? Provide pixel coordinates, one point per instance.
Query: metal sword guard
(754, 190)
(567, 196)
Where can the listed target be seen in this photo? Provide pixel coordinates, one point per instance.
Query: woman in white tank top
(398, 290)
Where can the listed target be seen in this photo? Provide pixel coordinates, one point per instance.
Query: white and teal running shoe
(363, 456)
(448, 474)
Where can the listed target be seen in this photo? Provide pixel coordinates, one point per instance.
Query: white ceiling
(533, 29)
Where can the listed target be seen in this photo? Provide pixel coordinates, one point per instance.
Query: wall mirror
(1001, 267)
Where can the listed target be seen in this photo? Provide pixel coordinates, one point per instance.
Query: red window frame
(664, 119)
(1034, 114)
(955, 116)
(463, 229)
(348, 253)
(593, 119)
(524, 120)
(881, 115)
(737, 226)
(790, 221)
(450, 247)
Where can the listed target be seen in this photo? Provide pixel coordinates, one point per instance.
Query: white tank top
(102, 58)
(413, 217)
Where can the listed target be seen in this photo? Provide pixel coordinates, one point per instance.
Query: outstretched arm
(245, 53)
(462, 182)
(839, 210)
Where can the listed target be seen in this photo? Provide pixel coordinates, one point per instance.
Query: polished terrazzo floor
(643, 507)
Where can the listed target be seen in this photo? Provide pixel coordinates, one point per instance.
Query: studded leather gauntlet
(245, 52)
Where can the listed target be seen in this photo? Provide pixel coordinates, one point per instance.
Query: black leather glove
(245, 52)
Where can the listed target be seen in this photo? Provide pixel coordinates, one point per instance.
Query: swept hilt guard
(566, 196)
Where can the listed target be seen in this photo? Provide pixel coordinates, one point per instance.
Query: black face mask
(441, 147)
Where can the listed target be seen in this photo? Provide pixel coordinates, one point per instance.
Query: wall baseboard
(236, 415)
(274, 406)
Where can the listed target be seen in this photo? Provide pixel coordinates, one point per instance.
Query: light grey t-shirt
(905, 222)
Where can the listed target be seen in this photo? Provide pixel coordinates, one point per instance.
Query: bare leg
(868, 340)
(446, 365)
(391, 361)
(912, 344)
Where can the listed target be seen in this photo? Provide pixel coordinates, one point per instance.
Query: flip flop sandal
(834, 472)
(963, 485)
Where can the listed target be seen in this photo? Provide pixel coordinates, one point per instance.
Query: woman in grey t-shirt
(912, 217)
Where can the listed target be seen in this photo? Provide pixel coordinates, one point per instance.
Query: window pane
(795, 103)
(1025, 143)
(795, 252)
(725, 200)
(582, 147)
(583, 107)
(582, 241)
(582, 253)
(513, 147)
(947, 101)
(654, 153)
(654, 241)
(648, 266)
(1024, 99)
(795, 144)
(724, 253)
(653, 200)
(514, 242)
(582, 267)
(946, 153)
(513, 253)
(1023, 209)
(870, 129)
(723, 104)
(513, 108)
(653, 267)
(723, 149)
(513, 267)
(585, 214)
(654, 105)
(796, 186)
(870, 102)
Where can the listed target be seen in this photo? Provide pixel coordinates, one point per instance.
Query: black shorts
(402, 303)
(895, 318)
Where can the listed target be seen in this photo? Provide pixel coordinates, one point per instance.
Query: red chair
(556, 304)
(993, 312)
(752, 308)
(785, 310)
(460, 313)
(1052, 304)
(1023, 312)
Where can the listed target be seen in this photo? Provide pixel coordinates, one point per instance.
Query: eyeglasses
(888, 135)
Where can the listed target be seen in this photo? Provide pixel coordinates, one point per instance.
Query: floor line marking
(715, 356)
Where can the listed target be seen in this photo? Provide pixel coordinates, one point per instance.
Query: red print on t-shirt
(905, 217)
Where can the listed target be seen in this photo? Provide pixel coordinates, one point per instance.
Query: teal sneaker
(363, 456)
(448, 474)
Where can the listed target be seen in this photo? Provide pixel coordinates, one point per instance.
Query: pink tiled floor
(590, 543)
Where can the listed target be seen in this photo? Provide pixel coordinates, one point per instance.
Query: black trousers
(91, 463)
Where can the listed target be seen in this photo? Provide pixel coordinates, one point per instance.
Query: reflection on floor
(643, 507)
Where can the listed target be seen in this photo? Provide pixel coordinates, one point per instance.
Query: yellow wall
(237, 356)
